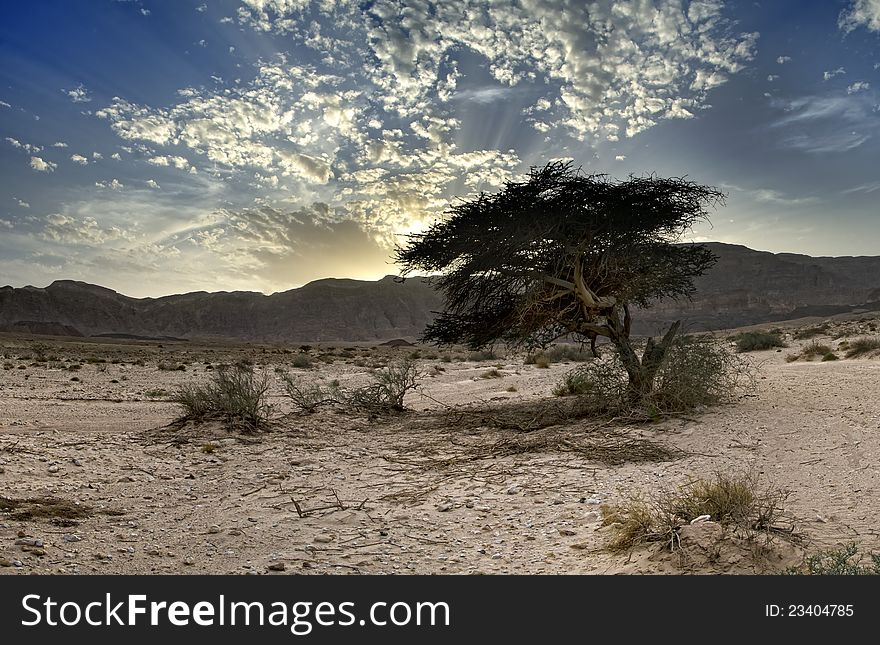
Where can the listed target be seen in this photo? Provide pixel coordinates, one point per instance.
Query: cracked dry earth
(94, 483)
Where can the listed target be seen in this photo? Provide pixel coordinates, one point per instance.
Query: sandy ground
(424, 492)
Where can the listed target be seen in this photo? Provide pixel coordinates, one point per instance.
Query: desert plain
(95, 479)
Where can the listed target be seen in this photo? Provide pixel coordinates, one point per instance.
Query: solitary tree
(564, 254)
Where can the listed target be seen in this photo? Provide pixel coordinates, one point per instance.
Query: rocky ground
(93, 481)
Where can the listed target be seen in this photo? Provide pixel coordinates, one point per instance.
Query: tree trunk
(641, 371)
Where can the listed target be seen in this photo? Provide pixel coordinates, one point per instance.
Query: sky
(165, 146)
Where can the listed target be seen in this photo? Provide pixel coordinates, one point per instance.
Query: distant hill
(745, 287)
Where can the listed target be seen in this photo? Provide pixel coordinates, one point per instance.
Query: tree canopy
(561, 253)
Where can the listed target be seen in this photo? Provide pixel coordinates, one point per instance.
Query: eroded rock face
(745, 287)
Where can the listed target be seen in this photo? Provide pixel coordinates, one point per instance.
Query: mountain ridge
(745, 287)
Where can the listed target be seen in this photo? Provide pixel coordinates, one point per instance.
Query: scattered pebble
(279, 566)
(71, 537)
(323, 538)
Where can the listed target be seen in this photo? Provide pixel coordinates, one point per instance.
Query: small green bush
(758, 340)
(838, 562)
(830, 356)
(302, 361)
(696, 371)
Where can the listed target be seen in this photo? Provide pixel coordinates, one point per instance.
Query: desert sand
(438, 490)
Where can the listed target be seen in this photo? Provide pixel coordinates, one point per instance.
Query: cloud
(5, 104)
(181, 163)
(79, 94)
(483, 95)
(27, 147)
(773, 77)
(615, 67)
(858, 86)
(145, 12)
(115, 184)
(42, 166)
(79, 159)
(151, 183)
(59, 144)
(202, 8)
(21, 203)
(826, 76)
(860, 13)
(619, 157)
(783, 59)
(868, 188)
(781, 199)
(830, 123)
(97, 155)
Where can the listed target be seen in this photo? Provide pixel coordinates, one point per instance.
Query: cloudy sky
(159, 146)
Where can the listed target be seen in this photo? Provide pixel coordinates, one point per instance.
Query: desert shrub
(511, 388)
(810, 332)
(492, 373)
(862, 346)
(446, 358)
(846, 561)
(565, 353)
(815, 349)
(237, 395)
(830, 356)
(752, 341)
(385, 393)
(301, 361)
(737, 501)
(542, 362)
(388, 389)
(307, 396)
(696, 371)
(481, 355)
(154, 394)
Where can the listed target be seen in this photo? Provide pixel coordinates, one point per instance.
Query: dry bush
(564, 353)
(863, 346)
(810, 332)
(308, 396)
(492, 373)
(815, 349)
(482, 355)
(385, 393)
(237, 395)
(738, 502)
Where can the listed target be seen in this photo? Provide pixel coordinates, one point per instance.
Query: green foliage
(752, 341)
(520, 265)
(302, 361)
(696, 371)
(846, 561)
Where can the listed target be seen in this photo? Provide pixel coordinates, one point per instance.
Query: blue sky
(165, 146)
